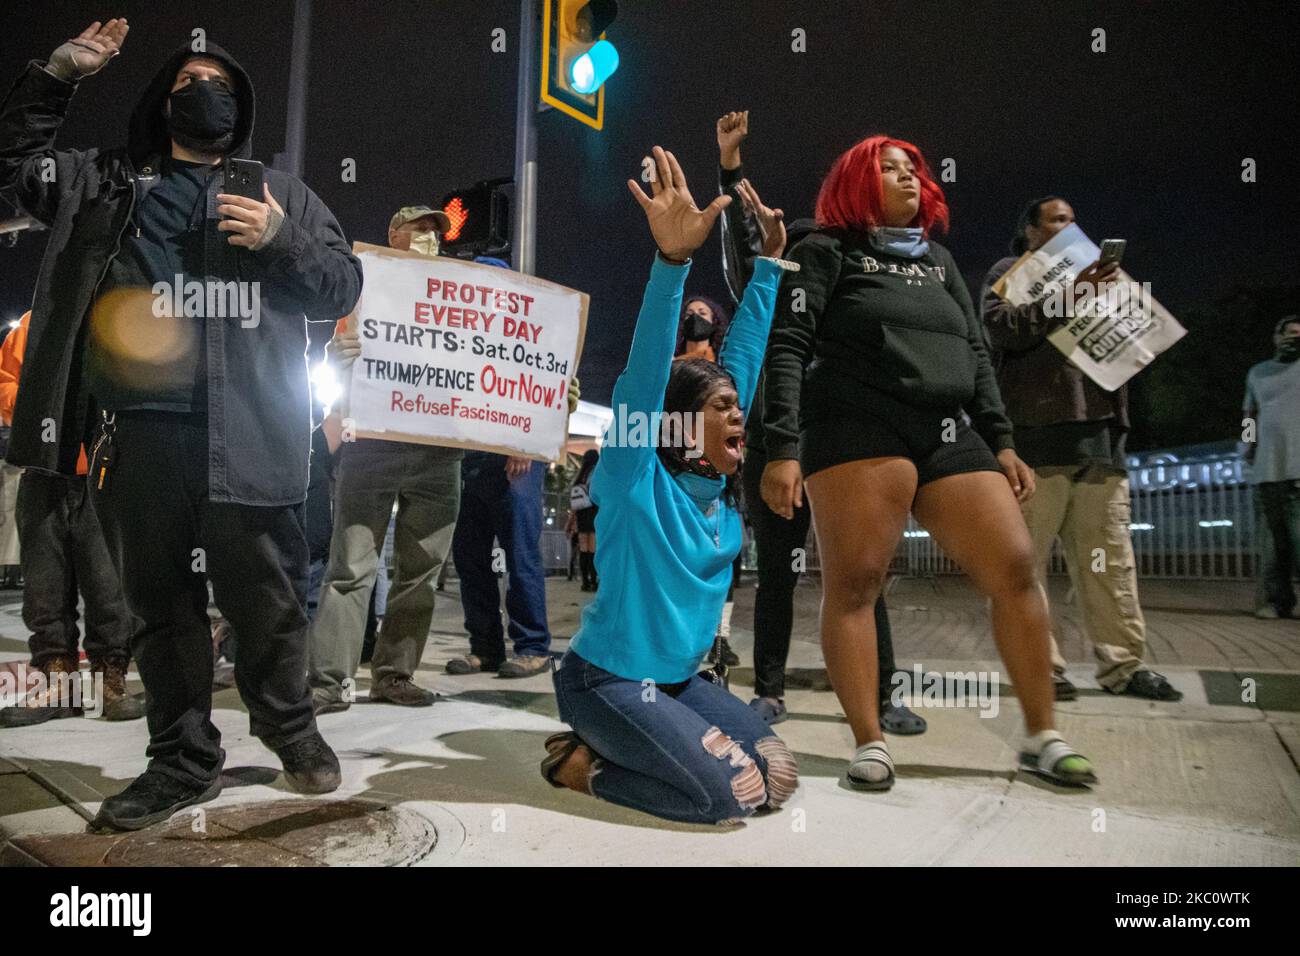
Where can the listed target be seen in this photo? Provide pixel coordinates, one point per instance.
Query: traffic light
(576, 57)
(480, 220)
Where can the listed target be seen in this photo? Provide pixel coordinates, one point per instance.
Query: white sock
(1035, 744)
(873, 771)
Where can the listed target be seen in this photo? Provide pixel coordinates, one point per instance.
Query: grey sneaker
(401, 690)
(524, 665)
(470, 664)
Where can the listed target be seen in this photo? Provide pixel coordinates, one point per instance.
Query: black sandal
(559, 748)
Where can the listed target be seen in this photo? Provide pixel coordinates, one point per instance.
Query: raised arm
(746, 341)
(742, 242)
(679, 227)
(742, 351)
(31, 169)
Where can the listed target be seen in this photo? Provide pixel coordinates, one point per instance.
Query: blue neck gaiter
(703, 491)
(906, 241)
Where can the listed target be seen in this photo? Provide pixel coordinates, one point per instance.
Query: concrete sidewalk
(1208, 781)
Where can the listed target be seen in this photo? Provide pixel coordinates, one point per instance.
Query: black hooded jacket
(742, 243)
(259, 404)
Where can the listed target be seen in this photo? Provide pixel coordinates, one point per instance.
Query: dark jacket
(259, 404)
(1038, 383)
(856, 318)
(742, 243)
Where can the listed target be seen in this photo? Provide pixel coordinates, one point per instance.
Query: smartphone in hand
(1112, 251)
(243, 177)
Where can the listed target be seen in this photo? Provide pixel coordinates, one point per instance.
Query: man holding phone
(199, 458)
(1072, 432)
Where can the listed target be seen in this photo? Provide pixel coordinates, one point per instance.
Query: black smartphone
(1112, 250)
(244, 178)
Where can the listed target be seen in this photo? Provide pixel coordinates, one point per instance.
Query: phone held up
(244, 177)
(1112, 250)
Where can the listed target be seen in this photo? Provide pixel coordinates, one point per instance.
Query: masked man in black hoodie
(168, 333)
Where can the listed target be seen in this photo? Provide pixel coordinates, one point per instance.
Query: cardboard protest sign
(462, 354)
(1111, 336)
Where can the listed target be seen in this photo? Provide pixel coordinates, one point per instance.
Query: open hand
(771, 222)
(89, 50)
(679, 226)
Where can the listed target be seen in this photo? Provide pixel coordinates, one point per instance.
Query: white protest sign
(1111, 336)
(462, 354)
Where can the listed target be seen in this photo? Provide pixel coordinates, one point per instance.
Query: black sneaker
(1151, 686)
(1064, 689)
(151, 798)
(723, 649)
(310, 766)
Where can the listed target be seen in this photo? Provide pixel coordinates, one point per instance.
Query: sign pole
(525, 220)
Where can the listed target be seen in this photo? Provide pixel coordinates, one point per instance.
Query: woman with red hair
(881, 395)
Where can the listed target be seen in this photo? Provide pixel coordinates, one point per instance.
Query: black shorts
(586, 518)
(876, 425)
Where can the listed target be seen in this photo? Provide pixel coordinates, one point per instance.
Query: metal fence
(1193, 517)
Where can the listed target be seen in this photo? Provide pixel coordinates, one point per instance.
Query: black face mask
(697, 328)
(202, 116)
(1288, 350)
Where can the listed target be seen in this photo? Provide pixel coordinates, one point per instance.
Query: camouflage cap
(411, 213)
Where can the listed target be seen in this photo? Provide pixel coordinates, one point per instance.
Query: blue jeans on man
(493, 508)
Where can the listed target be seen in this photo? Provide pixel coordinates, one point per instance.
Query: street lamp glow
(594, 67)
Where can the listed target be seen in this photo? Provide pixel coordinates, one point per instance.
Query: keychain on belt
(101, 456)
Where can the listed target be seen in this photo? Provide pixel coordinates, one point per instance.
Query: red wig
(851, 197)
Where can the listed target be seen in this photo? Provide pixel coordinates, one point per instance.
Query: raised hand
(732, 130)
(679, 226)
(89, 50)
(771, 222)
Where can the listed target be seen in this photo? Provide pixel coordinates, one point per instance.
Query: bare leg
(975, 519)
(859, 511)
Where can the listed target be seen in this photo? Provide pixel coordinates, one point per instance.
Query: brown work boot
(54, 702)
(118, 703)
(399, 689)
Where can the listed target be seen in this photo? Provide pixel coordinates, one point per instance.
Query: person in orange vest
(63, 552)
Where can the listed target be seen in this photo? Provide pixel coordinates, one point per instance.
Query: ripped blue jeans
(689, 752)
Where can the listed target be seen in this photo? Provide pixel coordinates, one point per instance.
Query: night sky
(1146, 139)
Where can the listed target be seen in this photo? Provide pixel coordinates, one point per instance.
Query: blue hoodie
(664, 562)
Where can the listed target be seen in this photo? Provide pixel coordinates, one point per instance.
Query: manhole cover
(282, 833)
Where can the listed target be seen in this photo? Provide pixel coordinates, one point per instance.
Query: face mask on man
(202, 116)
(425, 243)
(698, 328)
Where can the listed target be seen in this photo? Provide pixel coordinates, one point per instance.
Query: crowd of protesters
(857, 384)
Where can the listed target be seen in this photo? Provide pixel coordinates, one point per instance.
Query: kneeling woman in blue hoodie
(649, 732)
